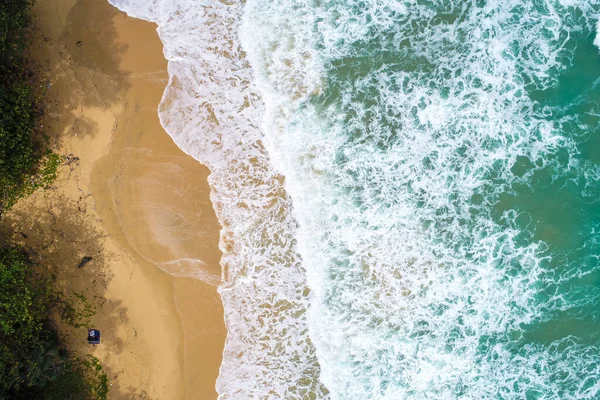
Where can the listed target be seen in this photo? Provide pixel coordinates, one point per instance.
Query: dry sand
(132, 201)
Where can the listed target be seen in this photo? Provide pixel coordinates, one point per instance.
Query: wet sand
(132, 200)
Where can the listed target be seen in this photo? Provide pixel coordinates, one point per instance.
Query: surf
(406, 189)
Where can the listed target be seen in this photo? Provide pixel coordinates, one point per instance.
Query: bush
(14, 21)
(21, 154)
(33, 363)
(27, 349)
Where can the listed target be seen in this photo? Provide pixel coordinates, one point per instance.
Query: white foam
(597, 39)
(212, 110)
(407, 281)
(408, 278)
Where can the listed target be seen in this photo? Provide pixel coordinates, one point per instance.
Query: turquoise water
(409, 191)
(446, 172)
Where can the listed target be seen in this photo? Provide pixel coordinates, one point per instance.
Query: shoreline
(131, 199)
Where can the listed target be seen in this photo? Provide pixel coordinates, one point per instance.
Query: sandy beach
(128, 197)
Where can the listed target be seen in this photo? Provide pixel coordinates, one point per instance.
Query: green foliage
(96, 377)
(33, 364)
(48, 170)
(76, 311)
(12, 190)
(18, 156)
(84, 380)
(24, 164)
(28, 348)
(14, 21)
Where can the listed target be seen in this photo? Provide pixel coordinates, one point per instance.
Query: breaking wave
(441, 159)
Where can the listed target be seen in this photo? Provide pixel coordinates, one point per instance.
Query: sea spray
(442, 159)
(403, 168)
(213, 111)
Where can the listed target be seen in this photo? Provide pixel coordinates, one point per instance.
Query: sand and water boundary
(130, 199)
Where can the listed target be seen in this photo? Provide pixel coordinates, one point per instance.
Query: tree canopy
(34, 363)
(22, 152)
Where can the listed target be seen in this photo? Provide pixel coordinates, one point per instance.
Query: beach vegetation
(34, 361)
(26, 164)
(34, 364)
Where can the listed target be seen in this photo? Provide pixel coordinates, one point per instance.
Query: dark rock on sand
(84, 261)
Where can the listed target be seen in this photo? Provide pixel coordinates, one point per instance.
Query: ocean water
(409, 191)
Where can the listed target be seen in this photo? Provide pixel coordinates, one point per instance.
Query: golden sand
(132, 200)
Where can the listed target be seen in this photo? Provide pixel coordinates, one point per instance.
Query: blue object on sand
(93, 336)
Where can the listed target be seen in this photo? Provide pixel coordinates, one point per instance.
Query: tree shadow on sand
(80, 69)
(58, 238)
(132, 393)
(58, 235)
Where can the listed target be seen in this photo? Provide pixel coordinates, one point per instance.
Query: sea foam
(213, 110)
(401, 132)
(597, 39)
(419, 291)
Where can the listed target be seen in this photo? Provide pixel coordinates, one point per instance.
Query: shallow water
(408, 192)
